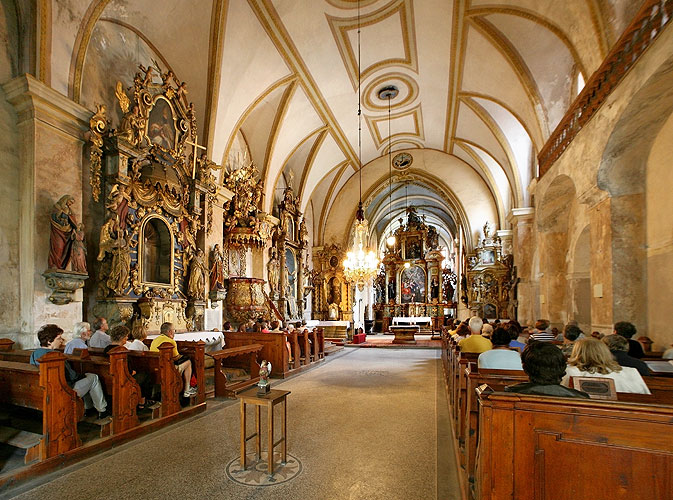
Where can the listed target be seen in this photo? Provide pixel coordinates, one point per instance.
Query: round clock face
(402, 161)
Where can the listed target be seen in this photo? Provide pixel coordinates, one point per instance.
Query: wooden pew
(163, 372)
(44, 388)
(462, 360)
(542, 447)
(114, 376)
(196, 352)
(496, 380)
(320, 338)
(304, 347)
(224, 389)
(274, 348)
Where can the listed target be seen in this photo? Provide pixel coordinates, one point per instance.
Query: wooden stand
(269, 400)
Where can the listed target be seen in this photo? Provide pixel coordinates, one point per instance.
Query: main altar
(413, 287)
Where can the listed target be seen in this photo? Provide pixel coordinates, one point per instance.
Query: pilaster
(51, 133)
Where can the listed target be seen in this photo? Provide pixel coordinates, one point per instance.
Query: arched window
(157, 256)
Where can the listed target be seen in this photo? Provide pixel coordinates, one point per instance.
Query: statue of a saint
(263, 385)
(272, 269)
(434, 288)
(488, 230)
(303, 232)
(63, 224)
(432, 239)
(333, 312)
(196, 289)
(121, 266)
(78, 253)
(216, 269)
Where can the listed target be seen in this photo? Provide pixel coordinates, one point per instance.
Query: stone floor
(368, 424)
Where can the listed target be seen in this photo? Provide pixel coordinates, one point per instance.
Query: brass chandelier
(361, 264)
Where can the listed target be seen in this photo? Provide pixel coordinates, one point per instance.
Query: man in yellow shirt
(166, 334)
(475, 342)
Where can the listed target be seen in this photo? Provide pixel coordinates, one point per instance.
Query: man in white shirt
(81, 333)
(100, 339)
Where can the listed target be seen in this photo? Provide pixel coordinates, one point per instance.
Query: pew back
(45, 388)
(534, 447)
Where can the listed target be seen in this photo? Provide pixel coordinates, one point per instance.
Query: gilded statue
(216, 269)
(133, 123)
(118, 278)
(113, 242)
(303, 231)
(63, 225)
(196, 289)
(273, 269)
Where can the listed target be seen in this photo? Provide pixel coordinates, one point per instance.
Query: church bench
(231, 357)
(304, 347)
(43, 388)
(462, 359)
(113, 373)
(274, 348)
(320, 345)
(196, 352)
(543, 447)
(164, 373)
(496, 380)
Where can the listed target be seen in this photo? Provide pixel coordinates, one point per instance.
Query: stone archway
(579, 281)
(553, 215)
(622, 173)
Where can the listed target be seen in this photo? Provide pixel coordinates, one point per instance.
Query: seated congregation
(537, 399)
(69, 398)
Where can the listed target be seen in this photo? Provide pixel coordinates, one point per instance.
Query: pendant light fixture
(361, 264)
(389, 92)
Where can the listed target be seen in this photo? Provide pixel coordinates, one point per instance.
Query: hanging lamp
(389, 92)
(361, 264)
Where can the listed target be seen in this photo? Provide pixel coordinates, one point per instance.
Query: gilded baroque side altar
(151, 186)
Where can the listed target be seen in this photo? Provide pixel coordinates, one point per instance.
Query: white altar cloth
(312, 323)
(412, 320)
(214, 340)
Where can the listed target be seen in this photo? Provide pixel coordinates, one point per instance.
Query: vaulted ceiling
(482, 84)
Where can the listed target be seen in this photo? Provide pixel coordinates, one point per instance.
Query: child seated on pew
(87, 386)
(182, 363)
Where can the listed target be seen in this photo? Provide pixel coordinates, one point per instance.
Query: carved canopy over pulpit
(150, 185)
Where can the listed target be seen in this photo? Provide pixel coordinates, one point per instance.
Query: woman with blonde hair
(592, 358)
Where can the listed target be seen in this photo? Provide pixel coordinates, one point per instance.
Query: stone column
(523, 244)
(51, 134)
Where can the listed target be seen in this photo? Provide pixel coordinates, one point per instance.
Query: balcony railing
(640, 34)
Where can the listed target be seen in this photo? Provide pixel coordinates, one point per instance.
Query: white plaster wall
(660, 238)
(468, 187)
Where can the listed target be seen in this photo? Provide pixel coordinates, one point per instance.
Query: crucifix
(196, 147)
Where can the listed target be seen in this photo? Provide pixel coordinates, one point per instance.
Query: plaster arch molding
(474, 201)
